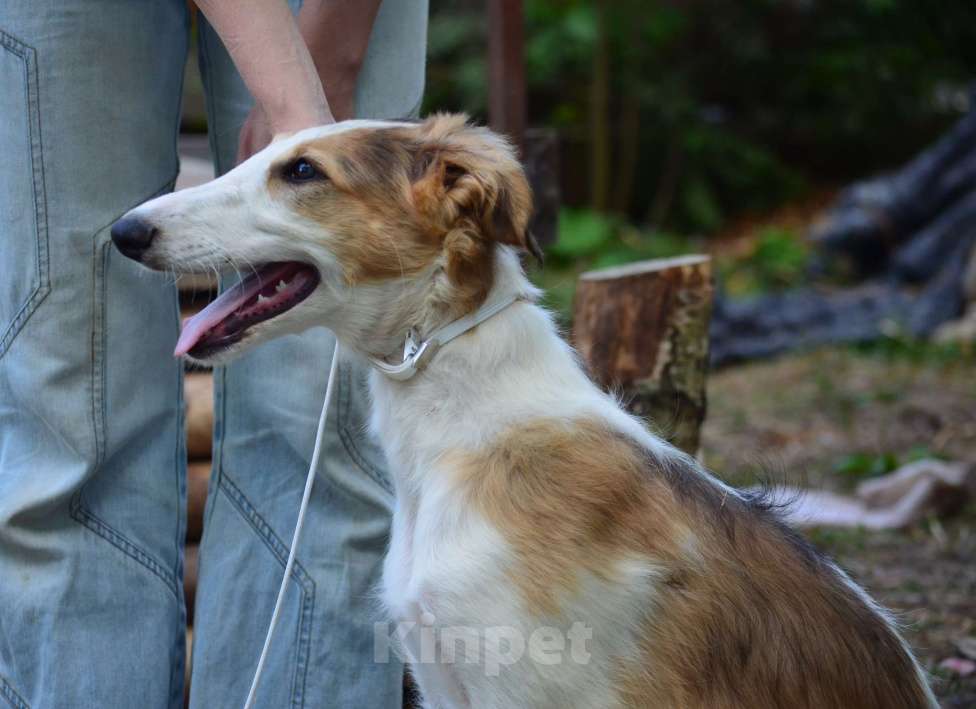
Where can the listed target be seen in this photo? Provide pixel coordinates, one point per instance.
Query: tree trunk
(642, 329)
(599, 115)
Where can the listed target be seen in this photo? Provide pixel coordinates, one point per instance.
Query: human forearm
(272, 57)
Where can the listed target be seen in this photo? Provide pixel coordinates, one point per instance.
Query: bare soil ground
(832, 417)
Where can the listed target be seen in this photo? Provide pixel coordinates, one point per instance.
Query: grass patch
(903, 348)
(839, 540)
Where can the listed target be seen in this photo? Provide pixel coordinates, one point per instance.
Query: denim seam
(165, 188)
(8, 693)
(98, 334)
(79, 511)
(303, 650)
(305, 581)
(203, 63)
(98, 345)
(210, 100)
(28, 55)
(178, 668)
(345, 386)
(264, 530)
(220, 412)
(107, 532)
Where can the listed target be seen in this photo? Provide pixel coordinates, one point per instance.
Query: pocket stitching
(85, 517)
(303, 579)
(28, 55)
(8, 693)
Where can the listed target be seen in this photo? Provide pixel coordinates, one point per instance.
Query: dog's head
(362, 226)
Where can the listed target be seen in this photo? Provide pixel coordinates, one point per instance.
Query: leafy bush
(682, 115)
(777, 259)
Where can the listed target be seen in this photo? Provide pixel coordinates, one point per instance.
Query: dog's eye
(301, 170)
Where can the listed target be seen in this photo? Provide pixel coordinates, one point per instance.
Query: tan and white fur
(529, 505)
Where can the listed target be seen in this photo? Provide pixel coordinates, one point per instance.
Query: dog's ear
(468, 177)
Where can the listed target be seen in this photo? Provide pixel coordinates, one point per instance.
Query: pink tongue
(226, 303)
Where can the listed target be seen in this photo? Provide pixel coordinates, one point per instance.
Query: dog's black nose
(132, 236)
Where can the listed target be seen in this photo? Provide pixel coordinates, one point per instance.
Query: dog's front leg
(436, 679)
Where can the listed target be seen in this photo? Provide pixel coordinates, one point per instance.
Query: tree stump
(642, 329)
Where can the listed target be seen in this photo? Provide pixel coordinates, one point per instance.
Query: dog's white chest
(437, 555)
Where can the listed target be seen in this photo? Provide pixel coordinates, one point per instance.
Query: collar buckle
(417, 354)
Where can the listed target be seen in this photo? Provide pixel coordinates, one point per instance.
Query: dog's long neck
(513, 365)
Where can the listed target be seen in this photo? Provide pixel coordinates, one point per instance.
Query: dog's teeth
(281, 286)
(262, 298)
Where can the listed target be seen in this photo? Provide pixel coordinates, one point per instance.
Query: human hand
(254, 136)
(256, 132)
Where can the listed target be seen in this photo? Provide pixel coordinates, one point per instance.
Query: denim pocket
(24, 277)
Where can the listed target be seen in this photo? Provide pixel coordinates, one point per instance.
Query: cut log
(187, 668)
(198, 393)
(642, 330)
(197, 480)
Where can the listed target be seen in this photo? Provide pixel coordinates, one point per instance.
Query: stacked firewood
(199, 413)
(198, 393)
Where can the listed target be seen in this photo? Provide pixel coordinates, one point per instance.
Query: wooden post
(508, 113)
(506, 69)
(643, 330)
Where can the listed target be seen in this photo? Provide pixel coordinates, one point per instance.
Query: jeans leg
(91, 454)
(267, 406)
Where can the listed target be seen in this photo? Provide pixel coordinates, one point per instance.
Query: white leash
(312, 467)
(415, 357)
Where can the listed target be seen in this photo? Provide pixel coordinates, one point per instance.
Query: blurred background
(823, 153)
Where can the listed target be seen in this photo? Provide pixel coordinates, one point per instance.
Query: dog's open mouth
(271, 290)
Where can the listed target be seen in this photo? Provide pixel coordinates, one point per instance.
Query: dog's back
(737, 610)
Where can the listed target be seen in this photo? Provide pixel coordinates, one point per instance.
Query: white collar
(416, 355)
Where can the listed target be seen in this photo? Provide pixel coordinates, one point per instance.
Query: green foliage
(595, 240)
(839, 540)
(582, 234)
(455, 74)
(715, 107)
(779, 256)
(898, 346)
(858, 466)
(590, 240)
(916, 453)
(777, 260)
